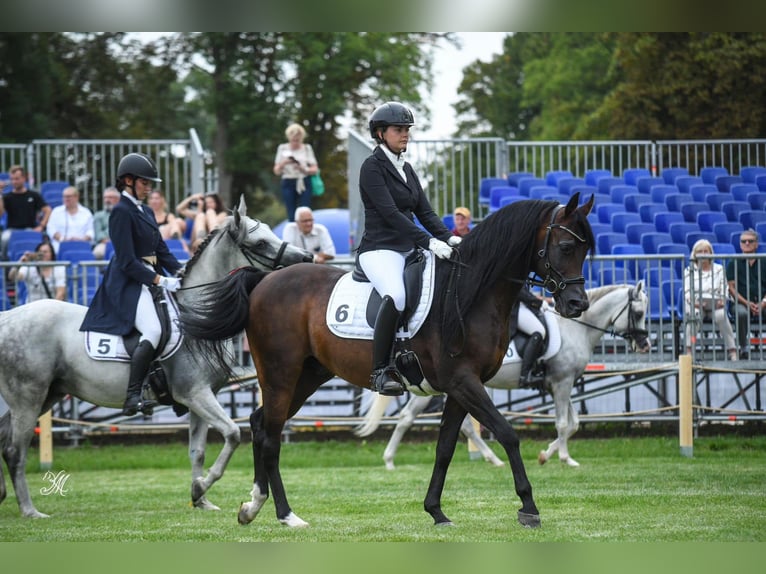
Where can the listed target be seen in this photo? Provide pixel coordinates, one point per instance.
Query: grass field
(627, 489)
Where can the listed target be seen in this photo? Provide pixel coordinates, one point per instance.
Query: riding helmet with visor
(390, 114)
(138, 165)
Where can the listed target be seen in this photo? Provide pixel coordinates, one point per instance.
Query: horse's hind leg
(5, 432)
(412, 409)
(15, 455)
(487, 453)
(197, 442)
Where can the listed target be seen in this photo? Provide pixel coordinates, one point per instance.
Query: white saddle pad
(347, 309)
(554, 339)
(108, 347)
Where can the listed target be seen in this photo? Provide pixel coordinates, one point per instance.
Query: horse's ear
(242, 209)
(586, 207)
(572, 203)
(639, 286)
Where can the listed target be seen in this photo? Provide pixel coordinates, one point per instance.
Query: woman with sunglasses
(747, 285)
(123, 301)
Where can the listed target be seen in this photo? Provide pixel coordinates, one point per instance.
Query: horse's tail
(374, 415)
(221, 310)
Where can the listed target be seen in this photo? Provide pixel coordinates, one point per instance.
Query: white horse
(43, 358)
(618, 309)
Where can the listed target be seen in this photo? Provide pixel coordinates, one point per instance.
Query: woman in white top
(707, 280)
(44, 281)
(295, 162)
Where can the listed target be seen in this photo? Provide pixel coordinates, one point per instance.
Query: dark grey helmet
(138, 165)
(390, 114)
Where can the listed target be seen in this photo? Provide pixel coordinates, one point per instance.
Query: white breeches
(147, 322)
(385, 270)
(529, 323)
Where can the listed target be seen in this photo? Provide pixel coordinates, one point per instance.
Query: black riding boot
(382, 379)
(139, 367)
(528, 378)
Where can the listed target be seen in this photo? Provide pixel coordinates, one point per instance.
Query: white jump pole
(46, 440)
(686, 439)
(473, 451)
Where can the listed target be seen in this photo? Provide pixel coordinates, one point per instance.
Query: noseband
(266, 261)
(554, 281)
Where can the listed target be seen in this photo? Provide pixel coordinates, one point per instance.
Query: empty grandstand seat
(650, 241)
(541, 191)
(673, 297)
(757, 200)
(722, 249)
(516, 176)
(598, 228)
(508, 199)
(760, 228)
(497, 193)
(654, 276)
(618, 192)
(605, 241)
(176, 243)
(53, 191)
(732, 209)
(709, 173)
(674, 249)
(605, 184)
(700, 191)
(631, 175)
(683, 183)
(614, 275)
(740, 191)
(670, 174)
(585, 191)
(690, 210)
(648, 183)
(67, 246)
(694, 236)
(28, 235)
(724, 182)
(674, 201)
(706, 219)
(552, 177)
(635, 267)
(338, 223)
(486, 185)
(53, 185)
(620, 220)
(679, 230)
(750, 218)
(724, 231)
(648, 210)
(593, 175)
(599, 199)
(760, 182)
(663, 219)
(716, 200)
(448, 221)
(565, 184)
(634, 231)
(633, 201)
(21, 246)
(606, 210)
(750, 172)
(659, 312)
(528, 183)
(660, 191)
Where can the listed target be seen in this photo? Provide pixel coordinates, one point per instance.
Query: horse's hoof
(36, 514)
(197, 490)
(448, 523)
(495, 461)
(541, 458)
(243, 516)
(293, 521)
(529, 520)
(204, 504)
(571, 462)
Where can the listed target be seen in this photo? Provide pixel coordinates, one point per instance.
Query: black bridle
(554, 280)
(632, 332)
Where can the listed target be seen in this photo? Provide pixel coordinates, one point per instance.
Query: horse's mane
(500, 244)
(200, 248)
(596, 293)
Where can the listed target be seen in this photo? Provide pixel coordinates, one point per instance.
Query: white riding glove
(455, 240)
(172, 284)
(439, 248)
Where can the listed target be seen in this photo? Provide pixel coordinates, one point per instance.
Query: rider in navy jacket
(392, 194)
(123, 300)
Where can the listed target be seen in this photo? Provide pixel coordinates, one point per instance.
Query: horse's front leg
(449, 430)
(566, 424)
(197, 443)
(15, 454)
(260, 492)
(569, 427)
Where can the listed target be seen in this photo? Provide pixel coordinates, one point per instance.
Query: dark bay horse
(460, 345)
(43, 359)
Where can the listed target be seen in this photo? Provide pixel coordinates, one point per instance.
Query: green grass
(627, 489)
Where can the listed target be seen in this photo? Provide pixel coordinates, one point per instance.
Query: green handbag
(317, 185)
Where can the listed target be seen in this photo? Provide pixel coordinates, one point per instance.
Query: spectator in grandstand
(124, 300)
(462, 218)
(171, 227)
(313, 237)
(26, 208)
(747, 286)
(705, 295)
(44, 281)
(206, 211)
(70, 221)
(101, 221)
(391, 193)
(295, 162)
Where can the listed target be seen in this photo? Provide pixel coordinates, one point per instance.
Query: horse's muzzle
(573, 306)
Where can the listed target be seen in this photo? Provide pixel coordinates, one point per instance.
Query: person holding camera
(295, 162)
(43, 281)
(206, 212)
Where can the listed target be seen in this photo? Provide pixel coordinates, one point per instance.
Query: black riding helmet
(138, 165)
(390, 114)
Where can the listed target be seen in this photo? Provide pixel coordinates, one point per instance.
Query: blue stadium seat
(591, 270)
(750, 218)
(338, 223)
(497, 193)
(633, 201)
(67, 246)
(606, 210)
(540, 191)
(716, 200)
(634, 231)
(508, 199)
(757, 200)
(760, 228)
(673, 297)
(448, 221)
(674, 201)
(605, 183)
(660, 191)
(605, 241)
(528, 183)
(585, 191)
(650, 241)
(21, 246)
(678, 231)
(694, 236)
(613, 275)
(599, 199)
(724, 231)
(659, 312)
(57, 185)
(690, 210)
(724, 182)
(27, 235)
(732, 209)
(648, 210)
(670, 174)
(750, 172)
(631, 175)
(485, 186)
(663, 219)
(635, 267)
(565, 184)
(552, 177)
(674, 249)
(706, 219)
(740, 191)
(708, 174)
(654, 276)
(593, 175)
(618, 192)
(683, 183)
(621, 220)
(516, 176)
(646, 184)
(760, 182)
(176, 243)
(722, 249)
(700, 191)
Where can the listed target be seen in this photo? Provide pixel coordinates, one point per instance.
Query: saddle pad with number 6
(347, 309)
(108, 347)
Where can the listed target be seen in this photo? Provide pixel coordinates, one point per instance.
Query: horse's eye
(566, 247)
